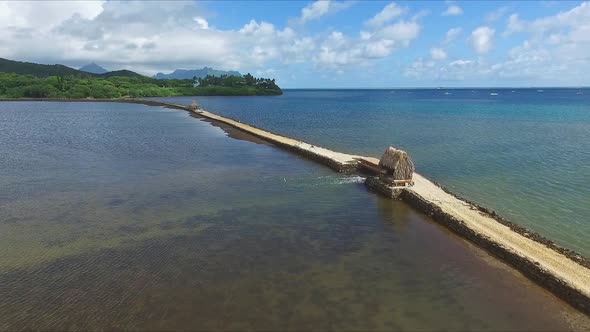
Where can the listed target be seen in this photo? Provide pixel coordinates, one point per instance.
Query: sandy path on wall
(338, 157)
(557, 264)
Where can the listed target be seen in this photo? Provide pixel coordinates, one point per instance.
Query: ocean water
(119, 216)
(525, 153)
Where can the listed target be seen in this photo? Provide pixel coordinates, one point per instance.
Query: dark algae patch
(239, 275)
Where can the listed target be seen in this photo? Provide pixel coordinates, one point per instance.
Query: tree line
(79, 87)
(237, 81)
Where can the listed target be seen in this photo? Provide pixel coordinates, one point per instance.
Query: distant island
(32, 80)
(199, 73)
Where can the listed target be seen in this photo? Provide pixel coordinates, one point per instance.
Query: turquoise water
(524, 153)
(119, 216)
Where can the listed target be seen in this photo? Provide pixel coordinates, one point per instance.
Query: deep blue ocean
(522, 152)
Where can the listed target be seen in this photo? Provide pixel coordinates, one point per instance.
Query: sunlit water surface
(117, 216)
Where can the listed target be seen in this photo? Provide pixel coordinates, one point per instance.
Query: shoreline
(562, 271)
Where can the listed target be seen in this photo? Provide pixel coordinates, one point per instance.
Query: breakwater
(563, 272)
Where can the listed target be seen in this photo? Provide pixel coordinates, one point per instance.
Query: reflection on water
(150, 219)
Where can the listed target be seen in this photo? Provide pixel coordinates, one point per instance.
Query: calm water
(116, 216)
(524, 153)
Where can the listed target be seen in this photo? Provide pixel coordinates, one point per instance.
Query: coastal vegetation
(76, 87)
(236, 85)
(190, 73)
(31, 80)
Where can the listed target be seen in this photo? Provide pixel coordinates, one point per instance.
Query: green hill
(93, 68)
(35, 69)
(31, 80)
(122, 73)
(39, 70)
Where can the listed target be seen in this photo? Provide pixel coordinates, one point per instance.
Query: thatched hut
(397, 166)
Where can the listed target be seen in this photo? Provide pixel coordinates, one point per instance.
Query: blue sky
(315, 44)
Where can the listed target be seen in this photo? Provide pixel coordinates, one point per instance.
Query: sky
(314, 44)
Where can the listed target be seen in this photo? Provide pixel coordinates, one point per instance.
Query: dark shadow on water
(232, 132)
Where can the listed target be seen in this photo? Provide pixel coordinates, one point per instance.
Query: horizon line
(445, 88)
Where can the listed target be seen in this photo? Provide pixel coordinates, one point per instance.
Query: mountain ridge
(199, 73)
(93, 68)
(35, 69)
(41, 70)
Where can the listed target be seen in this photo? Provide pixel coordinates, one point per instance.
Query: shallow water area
(520, 152)
(121, 216)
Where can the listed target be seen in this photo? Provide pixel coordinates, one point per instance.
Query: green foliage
(93, 86)
(247, 83)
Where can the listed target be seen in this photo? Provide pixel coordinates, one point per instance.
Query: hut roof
(397, 163)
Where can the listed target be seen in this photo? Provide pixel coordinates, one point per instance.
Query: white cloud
(380, 40)
(523, 63)
(421, 14)
(269, 43)
(571, 20)
(438, 54)
(451, 35)
(339, 50)
(388, 13)
(153, 36)
(315, 10)
(321, 8)
(201, 23)
(420, 68)
(45, 14)
(556, 52)
(452, 10)
(558, 46)
(456, 70)
(575, 17)
(261, 29)
(513, 25)
(401, 32)
(481, 39)
(143, 36)
(495, 15)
